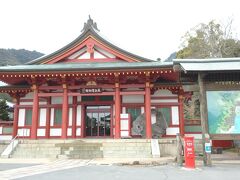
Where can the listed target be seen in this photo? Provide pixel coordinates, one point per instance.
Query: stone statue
(158, 128)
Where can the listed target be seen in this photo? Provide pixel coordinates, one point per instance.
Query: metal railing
(12, 141)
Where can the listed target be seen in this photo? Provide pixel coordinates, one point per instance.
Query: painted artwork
(192, 107)
(223, 112)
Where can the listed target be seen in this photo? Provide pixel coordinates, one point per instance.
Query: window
(163, 115)
(88, 98)
(28, 117)
(106, 98)
(57, 116)
(134, 112)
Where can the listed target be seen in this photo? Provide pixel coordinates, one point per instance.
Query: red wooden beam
(50, 87)
(49, 94)
(91, 94)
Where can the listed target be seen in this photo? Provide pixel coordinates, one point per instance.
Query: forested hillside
(15, 57)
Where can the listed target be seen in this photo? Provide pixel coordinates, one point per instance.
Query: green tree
(4, 110)
(209, 41)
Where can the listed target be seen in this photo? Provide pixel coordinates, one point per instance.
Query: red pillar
(15, 117)
(48, 117)
(117, 111)
(181, 115)
(74, 116)
(35, 112)
(148, 111)
(65, 112)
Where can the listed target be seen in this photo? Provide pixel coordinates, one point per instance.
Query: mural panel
(223, 112)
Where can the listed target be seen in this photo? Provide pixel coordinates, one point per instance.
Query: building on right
(213, 105)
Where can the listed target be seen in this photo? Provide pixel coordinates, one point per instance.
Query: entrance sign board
(91, 90)
(208, 148)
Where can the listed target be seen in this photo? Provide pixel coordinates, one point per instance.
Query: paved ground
(166, 172)
(103, 169)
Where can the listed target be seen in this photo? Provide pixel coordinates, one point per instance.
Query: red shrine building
(93, 89)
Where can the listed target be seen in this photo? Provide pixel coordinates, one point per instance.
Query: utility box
(189, 153)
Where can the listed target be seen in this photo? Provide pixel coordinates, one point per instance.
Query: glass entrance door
(98, 121)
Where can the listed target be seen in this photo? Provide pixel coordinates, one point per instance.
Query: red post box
(189, 152)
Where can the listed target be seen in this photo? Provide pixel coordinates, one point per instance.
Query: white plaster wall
(76, 54)
(26, 103)
(124, 125)
(23, 132)
(124, 110)
(105, 52)
(164, 100)
(124, 133)
(1, 130)
(5, 137)
(172, 131)
(43, 117)
(79, 98)
(70, 117)
(31, 103)
(21, 117)
(79, 115)
(113, 114)
(42, 102)
(41, 132)
(69, 131)
(56, 100)
(175, 115)
(78, 131)
(133, 99)
(55, 132)
(153, 118)
(52, 117)
(142, 110)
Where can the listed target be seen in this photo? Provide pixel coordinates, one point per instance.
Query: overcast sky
(149, 28)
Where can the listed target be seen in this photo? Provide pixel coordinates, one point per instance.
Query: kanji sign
(91, 90)
(189, 152)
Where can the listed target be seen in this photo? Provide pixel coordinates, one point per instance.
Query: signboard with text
(189, 152)
(91, 90)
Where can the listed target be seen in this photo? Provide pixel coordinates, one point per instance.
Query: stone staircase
(80, 150)
(3, 145)
(91, 148)
(127, 149)
(36, 149)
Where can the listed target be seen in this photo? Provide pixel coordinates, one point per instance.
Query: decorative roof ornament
(90, 24)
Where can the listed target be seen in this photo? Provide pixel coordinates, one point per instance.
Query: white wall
(21, 117)
(79, 115)
(43, 117)
(133, 99)
(55, 132)
(175, 115)
(172, 131)
(24, 132)
(52, 117)
(69, 131)
(41, 132)
(70, 116)
(78, 131)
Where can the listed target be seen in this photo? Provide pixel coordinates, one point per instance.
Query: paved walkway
(30, 167)
(43, 168)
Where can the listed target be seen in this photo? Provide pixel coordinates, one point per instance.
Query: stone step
(84, 156)
(37, 146)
